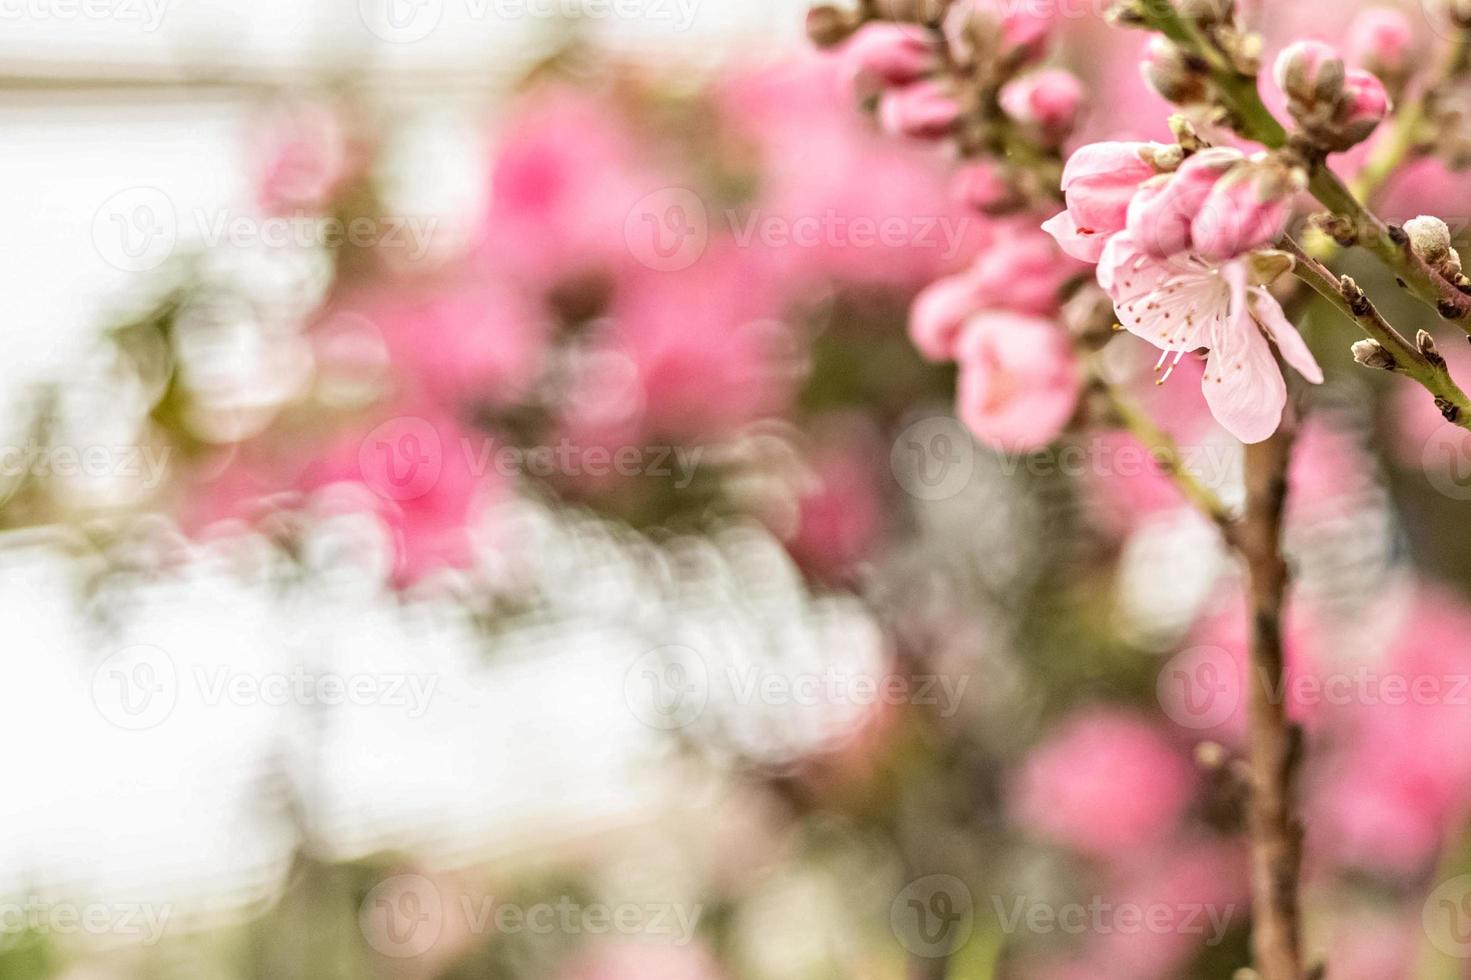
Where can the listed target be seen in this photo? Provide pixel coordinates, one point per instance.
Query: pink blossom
(1188, 305)
(1162, 215)
(1310, 72)
(1019, 32)
(884, 53)
(922, 110)
(1105, 782)
(1242, 213)
(1019, 380)
(1048, 101)
(1380, 40)
(939, 314)
(840, 514)
(418, 472)
(982, 186)
(307, 157)
(1099, 181)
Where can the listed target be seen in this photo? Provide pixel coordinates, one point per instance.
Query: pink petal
(1104, 158)
(1172, 305)
(1083, 247)
(1294, 351)
(1243, 386)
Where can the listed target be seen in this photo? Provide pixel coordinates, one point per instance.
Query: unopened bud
(1430, 238)
(923, 110)
(1177, 76)
(1165, 158)
(1380, 40)
(1047, 102)
(1363, 105)
(829, 26)
(1371, 354)
(1003, 35)
(1311, 73)
(1426, 344)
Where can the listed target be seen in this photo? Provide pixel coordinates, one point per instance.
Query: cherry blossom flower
(1187, 304)
(1099, 181)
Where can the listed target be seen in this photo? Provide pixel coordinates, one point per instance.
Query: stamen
(1174, 364)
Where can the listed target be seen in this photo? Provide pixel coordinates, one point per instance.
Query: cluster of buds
(1336, 107)
(1217, 205)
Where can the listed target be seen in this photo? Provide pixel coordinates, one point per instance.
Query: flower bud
(1311, 73)
(923, 110)
(1162, 214)
(1430, 238)
(1371, 354)
(1361, 108)
(881, 54)
(1380, 40)
(1047, 102)
(1175, 75)
(829, 26)
(911, 11)
(1246, 210)
(983, 186)
(999, 32)
(938, 314)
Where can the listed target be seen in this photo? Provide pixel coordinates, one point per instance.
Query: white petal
(1269, 314)
(1243, 384)
(1173, 305)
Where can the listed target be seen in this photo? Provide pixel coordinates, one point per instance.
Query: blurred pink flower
(1048, 101)
(1381, 39)
(304, 157)
(1104, 783)
(840, 513)
(460, 342)
(922, 110)
(1019, 380)
(883, 53)
(420, 472)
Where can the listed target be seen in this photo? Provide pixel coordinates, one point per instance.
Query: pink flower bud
(887, 54)
(1161, 216)
(1310, 72)
(1019, 381)
(982, 186)
(1014, 34)
(938, 314)
(1380, 40)
(1099, 181)
(1361, 109)
(1048, 101)
(1246, 210)
(1171, 74)
(923, 110)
